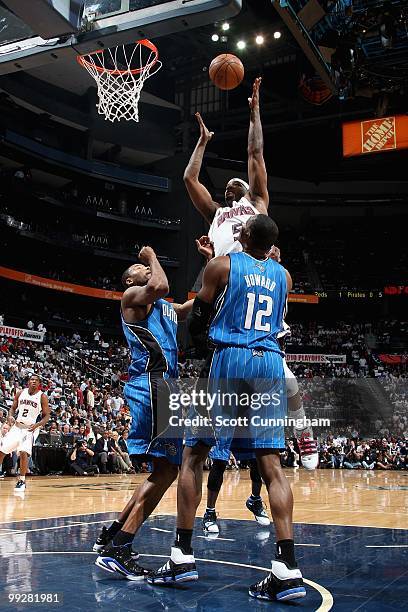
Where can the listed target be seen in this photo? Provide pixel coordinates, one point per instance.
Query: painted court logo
(378, 135)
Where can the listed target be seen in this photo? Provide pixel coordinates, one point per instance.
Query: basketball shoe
(20, 486)
(281, 584)
(119, 560)
(179, 568)
(309, 455)
(257, 507)
(210, 521)
(104, 538)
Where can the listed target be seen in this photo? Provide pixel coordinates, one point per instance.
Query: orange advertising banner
(50, 283)
(375, 135)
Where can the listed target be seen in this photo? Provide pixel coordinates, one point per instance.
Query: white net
(120, 74)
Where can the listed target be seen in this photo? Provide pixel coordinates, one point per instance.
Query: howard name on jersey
(250, 310)
(28, 407)
(226, 226)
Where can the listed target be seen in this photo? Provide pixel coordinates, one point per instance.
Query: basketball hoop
(120, 73)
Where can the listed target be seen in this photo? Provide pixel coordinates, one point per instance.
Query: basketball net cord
(119, 90)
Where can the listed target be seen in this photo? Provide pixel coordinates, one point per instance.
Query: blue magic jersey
(153, 342)
(250, 310)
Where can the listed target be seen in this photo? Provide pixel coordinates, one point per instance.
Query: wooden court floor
(330, 497)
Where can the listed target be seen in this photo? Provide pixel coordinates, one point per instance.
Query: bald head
(136, 275)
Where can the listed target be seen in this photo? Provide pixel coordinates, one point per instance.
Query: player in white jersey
(27, 406)
(242, 200)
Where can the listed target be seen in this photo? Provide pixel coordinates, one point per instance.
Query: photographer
(81, 459)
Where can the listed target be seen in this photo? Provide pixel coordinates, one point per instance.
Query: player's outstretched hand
(205, 134)
(205, 247)
(146, 255)
(254, 100)
(274, 254)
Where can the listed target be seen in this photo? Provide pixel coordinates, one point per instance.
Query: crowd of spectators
(83, 378)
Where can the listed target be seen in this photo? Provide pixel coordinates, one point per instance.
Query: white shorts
(291, 383)
(18, 439)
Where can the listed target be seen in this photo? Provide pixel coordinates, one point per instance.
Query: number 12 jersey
(250, 310)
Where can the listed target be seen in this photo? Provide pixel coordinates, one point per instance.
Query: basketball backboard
(104, 23)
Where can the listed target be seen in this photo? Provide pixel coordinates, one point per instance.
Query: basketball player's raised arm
(156, 287)
(46, 413)
(258, 178)
(199, 194)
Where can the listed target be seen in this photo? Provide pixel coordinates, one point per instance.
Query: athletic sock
(122, 538)
(255, 497)
(285, 551)
(114, 528)
(208, 509)
(22, 478)
(183, 540)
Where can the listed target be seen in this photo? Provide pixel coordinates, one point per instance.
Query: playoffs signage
(375, 135)
(21, 334)
(315, 358)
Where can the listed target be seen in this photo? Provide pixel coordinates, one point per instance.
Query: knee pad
(216, 475)
(254, 472)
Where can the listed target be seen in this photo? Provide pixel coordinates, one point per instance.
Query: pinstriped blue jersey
(249, 312)
(153, 341)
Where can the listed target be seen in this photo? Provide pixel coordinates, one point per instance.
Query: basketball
(226, 71)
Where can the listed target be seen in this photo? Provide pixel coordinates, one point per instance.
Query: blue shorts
(249, 393)
(220, 452)
(147, 397)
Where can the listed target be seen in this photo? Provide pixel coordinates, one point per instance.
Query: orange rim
(146, 43)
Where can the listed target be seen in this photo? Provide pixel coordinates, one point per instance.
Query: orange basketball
(226, 71)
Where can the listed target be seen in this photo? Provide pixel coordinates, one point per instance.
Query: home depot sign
(376, 135)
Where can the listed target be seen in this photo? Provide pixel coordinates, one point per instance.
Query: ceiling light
(225, 26)
(259, 40)
(277, 35)
(215, 38)
(241, 44)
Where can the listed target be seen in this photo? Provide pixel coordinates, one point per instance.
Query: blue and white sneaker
(102, 541)
(20, 486)
(119, 560)
(257, 507)
(282, 584)
(179, 568)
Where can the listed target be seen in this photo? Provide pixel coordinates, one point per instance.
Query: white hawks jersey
(226, 226)
(28, 407)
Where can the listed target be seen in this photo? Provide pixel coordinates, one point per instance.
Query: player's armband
(199, 322)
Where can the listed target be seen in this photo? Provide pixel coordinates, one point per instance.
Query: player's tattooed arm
(258, 178)
(156, 287)
(46, 414)
(183, 310)
(199, 194)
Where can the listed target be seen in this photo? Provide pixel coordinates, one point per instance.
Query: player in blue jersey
(150, 325)
(248, 292)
